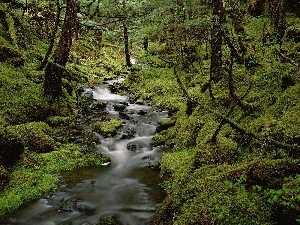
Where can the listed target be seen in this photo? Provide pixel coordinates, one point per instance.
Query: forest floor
(235, 157)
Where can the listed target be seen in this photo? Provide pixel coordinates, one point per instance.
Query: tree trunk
(55, 69)
(125, 34)
(216, 44)
(52, 39)
(277, 18)
(216, 40)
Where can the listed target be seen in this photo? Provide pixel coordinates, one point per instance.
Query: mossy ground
(37, 137)
(233, 177)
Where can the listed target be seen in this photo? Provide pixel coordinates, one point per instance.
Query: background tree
(56, 68)
(277, 18)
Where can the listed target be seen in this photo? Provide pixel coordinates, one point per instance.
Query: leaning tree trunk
(216, 42)
(55, 69)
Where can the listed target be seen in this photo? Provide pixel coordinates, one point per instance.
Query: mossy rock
(10, 148)
(271, 173)
(11, 56)
(108, 220)
(107, 128)
(34, 136)
(3, 177)
(293, 33)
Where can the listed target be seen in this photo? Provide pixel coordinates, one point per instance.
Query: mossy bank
(234, 160)
(39, 139)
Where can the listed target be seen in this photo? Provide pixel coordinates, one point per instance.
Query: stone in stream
(108, 220)
(124, 116)
(119, 107)
(128, 134)
(98, 105)
(139, 102)
(137, 146)
(141, 113)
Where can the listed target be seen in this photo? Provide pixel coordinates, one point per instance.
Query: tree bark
(216, 40)
(277, 18)
(52, 39)
(125, 34)
(55, 69)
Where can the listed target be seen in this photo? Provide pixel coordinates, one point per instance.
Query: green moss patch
(107, 128)
(37, 174)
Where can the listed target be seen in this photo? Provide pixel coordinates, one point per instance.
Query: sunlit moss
(107, 128)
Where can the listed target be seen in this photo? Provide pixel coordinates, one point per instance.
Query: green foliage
(58, 120)
(107, 128)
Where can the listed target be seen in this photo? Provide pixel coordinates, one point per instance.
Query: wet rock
(139, 102)
(87, 93)
(141, 112)
(132, 147)
(137, 146)
(128, 134)
(108, 220)
(124, 116)
(68, 205)
(119, 107)
(98, 105)
(112, 88)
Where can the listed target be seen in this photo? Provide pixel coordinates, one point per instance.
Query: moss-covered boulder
(11, 56)
(33, 136)
(10, 148)
(3, 177)
(108, 220)
(107, 128)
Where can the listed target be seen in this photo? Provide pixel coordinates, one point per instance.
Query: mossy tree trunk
(277, 18)
(55, 69)
(218, 11)
(52, 38)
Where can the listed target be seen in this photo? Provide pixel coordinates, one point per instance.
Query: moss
(7, 53)
(66, 157)
(107, 128)
(59, 120)
(36, 174)
(25, 184)
(3, 177)
(34, 136)
(108, 220)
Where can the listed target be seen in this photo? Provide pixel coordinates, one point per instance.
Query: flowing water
(126, 188)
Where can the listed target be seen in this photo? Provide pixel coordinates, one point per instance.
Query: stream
(126, 189)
